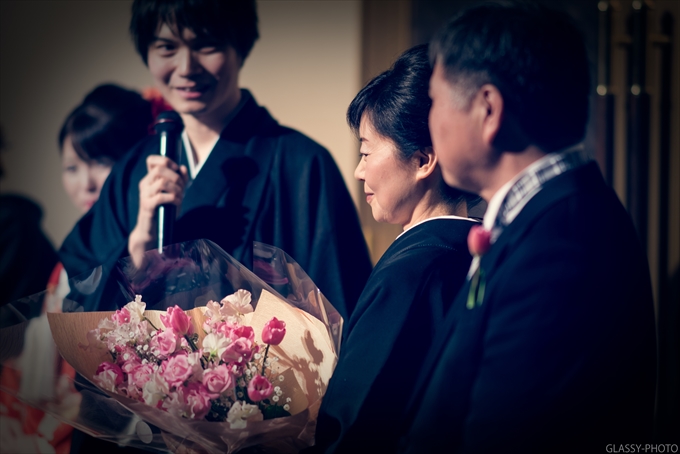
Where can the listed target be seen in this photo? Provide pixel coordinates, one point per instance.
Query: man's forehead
(438, 80)
(171, 29)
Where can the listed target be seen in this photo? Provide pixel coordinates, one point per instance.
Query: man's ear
(491, 106)
(500, 128)
(427, 162)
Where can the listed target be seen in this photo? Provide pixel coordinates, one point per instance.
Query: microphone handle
(166, 213)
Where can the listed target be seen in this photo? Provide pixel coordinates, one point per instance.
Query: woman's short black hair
(232, 22)
(108, 122)
(397, 104)
(534, 55)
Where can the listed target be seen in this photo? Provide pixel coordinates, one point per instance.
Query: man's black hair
(397, 105)
(534, 55)
(231, 22)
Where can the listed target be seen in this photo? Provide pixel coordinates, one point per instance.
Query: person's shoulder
(296, 143)
(18, 211)
(428, 246)
(287, 139)
(445, 233)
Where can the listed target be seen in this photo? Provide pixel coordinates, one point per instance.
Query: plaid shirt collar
(510, 199)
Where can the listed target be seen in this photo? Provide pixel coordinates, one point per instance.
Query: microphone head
(168, 121)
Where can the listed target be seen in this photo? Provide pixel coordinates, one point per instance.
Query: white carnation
(240, 413)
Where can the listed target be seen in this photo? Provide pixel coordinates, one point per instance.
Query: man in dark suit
(550, 346)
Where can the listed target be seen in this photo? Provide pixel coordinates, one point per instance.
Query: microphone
(168, 126)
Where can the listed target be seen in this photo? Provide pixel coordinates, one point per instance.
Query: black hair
(232, 22)
(535, 56)
(397, 104)
(108, 122)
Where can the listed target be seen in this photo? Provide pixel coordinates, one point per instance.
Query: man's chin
(190, 108)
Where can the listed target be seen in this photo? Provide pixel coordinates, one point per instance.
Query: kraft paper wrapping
(306, 359)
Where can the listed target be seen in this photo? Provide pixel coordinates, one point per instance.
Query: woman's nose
(359, 171)
(90, 181)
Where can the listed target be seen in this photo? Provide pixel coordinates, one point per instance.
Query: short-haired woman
(419, 275)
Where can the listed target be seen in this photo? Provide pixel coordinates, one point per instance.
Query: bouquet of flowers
(182, 365)
(222, 377)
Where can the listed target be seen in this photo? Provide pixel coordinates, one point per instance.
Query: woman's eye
(70, 169)
(363, 155)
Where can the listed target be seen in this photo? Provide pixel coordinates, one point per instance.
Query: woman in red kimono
(95, 135)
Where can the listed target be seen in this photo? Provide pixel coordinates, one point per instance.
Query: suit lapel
(458, 343)
(552, 192)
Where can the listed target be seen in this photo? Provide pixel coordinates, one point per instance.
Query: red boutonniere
(479, 242)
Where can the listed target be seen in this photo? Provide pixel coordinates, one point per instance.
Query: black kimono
(262, 182)
(388, 335)
(26, 255)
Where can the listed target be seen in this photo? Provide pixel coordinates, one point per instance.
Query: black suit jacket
(561, 354)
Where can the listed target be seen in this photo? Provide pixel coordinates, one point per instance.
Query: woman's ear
(427, 162)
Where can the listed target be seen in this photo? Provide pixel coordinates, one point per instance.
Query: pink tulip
(479, 240)
(178, 321)
(259, 388)
(273, 331)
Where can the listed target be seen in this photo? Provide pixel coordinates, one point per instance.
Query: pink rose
(178, 321)
(108, 376)
(218, 380)
(164, 343)
(140, 375)
(259, 388)
(239, 351)
(224, 328)
(121, 316)
(177, 369)
(273, 331)
(197, 400)
(129, 366)
(479, 240)
(242, 331)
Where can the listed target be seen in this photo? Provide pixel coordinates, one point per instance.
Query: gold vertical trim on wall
(386, 33)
